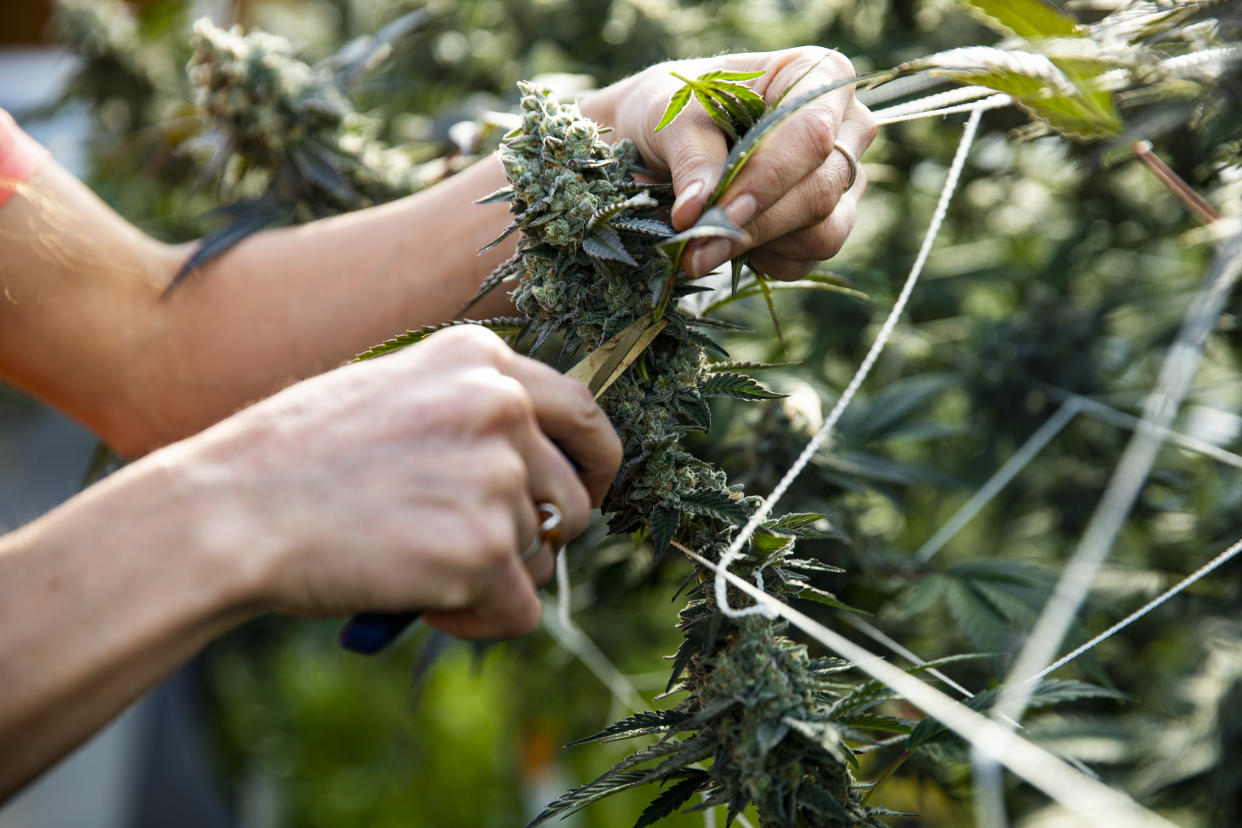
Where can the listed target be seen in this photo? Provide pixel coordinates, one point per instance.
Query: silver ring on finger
(850, 159)
(549, 530)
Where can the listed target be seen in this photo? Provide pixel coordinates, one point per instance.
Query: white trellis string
(1088, 798)
(1108, 414)
(1128, 477)
(562, 590)
(886, 330)
(870, 630)
(957, 95)
(992, 102)
(1220, 560)
(586, 651)
(1000, 479)
(1123, 487)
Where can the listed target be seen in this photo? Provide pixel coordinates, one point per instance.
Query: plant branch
(1175, 183)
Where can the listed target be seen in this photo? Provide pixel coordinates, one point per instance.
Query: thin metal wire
(1220, 560)
(1091, 800)
(877, 347)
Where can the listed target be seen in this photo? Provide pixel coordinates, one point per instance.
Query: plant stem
(897, 763)
(1175, 183)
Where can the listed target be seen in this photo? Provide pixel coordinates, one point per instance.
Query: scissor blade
(601, 368)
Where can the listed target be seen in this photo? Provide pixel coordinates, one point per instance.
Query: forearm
(293, 302)
(84, 324)
(103, 597)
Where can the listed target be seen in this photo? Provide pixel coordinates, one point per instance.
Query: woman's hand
(791, 198)
(411, 482)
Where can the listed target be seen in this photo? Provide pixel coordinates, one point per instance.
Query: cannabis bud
(292, 122)
(588, 264)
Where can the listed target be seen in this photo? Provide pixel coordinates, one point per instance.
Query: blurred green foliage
(1062, 268)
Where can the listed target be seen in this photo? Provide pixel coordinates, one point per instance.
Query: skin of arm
(142, 371)
(405, 482)
(309, 501)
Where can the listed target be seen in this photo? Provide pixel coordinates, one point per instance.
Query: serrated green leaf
(675, 105)
(822, 596)
(670, 800)
(726, 75)
(717, 112)
(1028, 19)
(715, 504)
(605, 243)
(640, 724)
(739, 386)
(501, 325)
(664, 522)
(745, 148)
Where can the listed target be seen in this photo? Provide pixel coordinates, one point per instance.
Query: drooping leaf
(501, 325)
(1074, 106)
(605, 214)
(640, 724)
(506, 270)
(1028, 19)
(675, 105)
(739, 386)
(247, 218)
(664, 521)
(605, 243)
(670, 800)
(643, 226)
(715, 503)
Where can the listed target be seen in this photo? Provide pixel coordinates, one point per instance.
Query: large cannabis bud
(292, 121)
(770, 717)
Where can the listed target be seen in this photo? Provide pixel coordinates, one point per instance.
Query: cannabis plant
(288, 144)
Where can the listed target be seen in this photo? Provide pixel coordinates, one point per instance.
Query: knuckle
(838, 64)
(493, 541)
(818, 134)
(507, 403)
(474, 339)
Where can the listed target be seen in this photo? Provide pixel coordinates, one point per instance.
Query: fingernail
(691, 191)
(711, 256)
(742, 209)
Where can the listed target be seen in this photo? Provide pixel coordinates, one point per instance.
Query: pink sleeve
(20, 156)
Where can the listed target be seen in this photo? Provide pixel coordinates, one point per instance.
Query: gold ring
(852, 160)
(549, 530)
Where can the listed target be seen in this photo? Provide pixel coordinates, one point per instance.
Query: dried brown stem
(1175, 183)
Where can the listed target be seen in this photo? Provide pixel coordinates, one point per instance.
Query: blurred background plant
(1063, 269)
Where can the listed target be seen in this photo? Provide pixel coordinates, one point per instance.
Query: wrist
(186, 511)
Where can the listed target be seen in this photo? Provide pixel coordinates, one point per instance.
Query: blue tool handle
(369, 632)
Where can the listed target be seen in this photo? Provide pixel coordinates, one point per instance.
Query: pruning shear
(370, 632)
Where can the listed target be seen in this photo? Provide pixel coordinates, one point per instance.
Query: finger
(696, 152)
(506, 606)
(822, 240)
(553, 480)
(807, 203)
(802, 142)
(570, 417)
